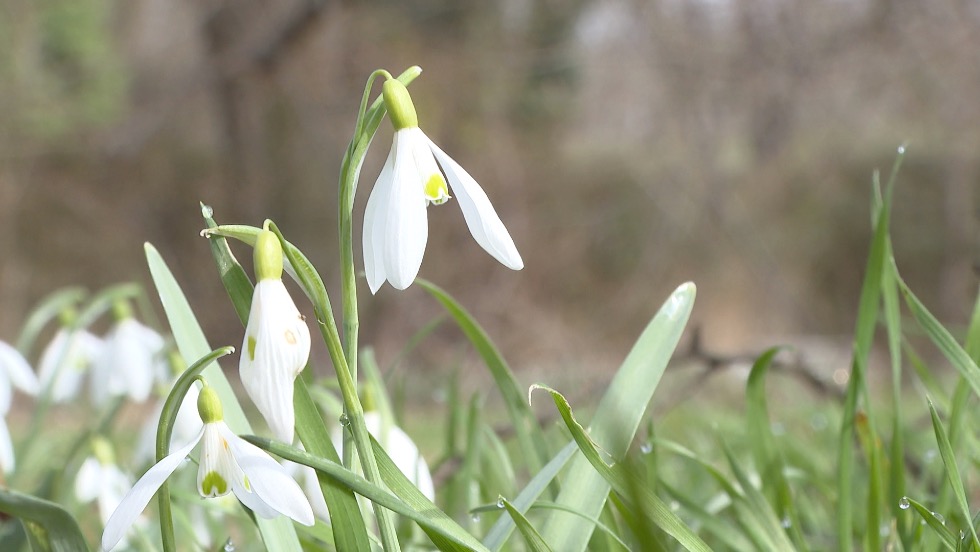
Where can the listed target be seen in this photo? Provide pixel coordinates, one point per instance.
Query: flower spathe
(395, 220)
(227, 464)
(276, 346)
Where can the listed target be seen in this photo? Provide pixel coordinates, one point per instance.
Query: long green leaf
(277, 534)
(618, 417)
(529, 434)
(48, 526)
(402, 498)
(936, 523)
(623, 482)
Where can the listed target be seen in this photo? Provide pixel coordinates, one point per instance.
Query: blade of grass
(622, 481)
(937, 524)
(617, 419)
(529, 435)
(953, 472)
(48, 526)
(531, 536)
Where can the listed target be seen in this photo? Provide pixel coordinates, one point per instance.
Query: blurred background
(628, 145)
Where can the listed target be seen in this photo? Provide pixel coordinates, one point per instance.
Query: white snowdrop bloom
(228, 464)
(128, 363)
(65, 360)
(276, 346)
(99, 478)
(306, 476)
(395, 221)
(14, 372)
(400, 448)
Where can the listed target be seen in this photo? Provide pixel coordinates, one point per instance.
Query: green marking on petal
(214, 484)
(251, 348)
(436, 190)
(248, 486)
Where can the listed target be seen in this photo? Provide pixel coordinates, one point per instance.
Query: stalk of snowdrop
(276, 346)
(368, 120)
(228, 464)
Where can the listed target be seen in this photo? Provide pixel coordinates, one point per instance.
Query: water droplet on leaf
(229, 546)
(904, 503)
(646, 448)
(500, 502)
(475, 518)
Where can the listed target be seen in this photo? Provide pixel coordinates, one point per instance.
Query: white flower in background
(400, 448)
(129, 359)
(14, 372)
(306, 476)
(65, 360)
(227, 464)
(100, 479)
(277, 341)
(395, 222)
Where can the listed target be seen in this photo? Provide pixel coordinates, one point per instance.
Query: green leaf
(952, 472)
(277, 534)
(629, 488)
(617, 419)
(402, 498)
(935, 523)
(529, 434)
(531, 536)
(48, 526)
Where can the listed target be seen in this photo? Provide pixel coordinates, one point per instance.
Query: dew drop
(786, 523)
(904, 503)
(962, 534)
(229, 546)
(500, 502)
(818, 421)
(207, 211)
(674, 505)
(939, 517)
(884, 530)
(930, 456)
(646, 448)
(344, 420)
(901, 150)
(475, 518)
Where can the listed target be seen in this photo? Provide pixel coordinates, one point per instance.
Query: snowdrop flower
(100, 479)
(129, 359)
(65, 360)
(186, 426)
(277, 341)
(227, 464)
(395, 222)
(400, 448)
(14, 371)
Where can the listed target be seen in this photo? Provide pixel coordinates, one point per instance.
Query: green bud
(102, 451)
(267, 256)
(121, 310)
(399, 105)
(67, 317)
(209, 405)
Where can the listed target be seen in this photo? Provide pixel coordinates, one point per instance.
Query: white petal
(88, 482)
(217, 458)
(135, 501)
(407, 224)
(270, 482)
(481, 218)
(6, 395)
(402, 451)
(269, 365)
(18, 370)
(375, 222)
(115, 485)
(7, 462)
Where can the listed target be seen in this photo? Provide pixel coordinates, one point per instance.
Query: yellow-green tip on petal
(267, 256)
(214, 484)
(399, 104)
(209, 405)
(102, 451)
(121, 310)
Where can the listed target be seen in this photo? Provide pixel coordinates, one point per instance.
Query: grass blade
(48, 526)
(531, 536)
(617, 419)
(952, 472)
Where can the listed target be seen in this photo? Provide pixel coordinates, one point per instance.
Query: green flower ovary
(209, 405)
(214, 485)
(399, 104)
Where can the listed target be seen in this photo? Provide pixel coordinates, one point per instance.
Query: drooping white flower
(276, 346)
(227, 464)
(395, 221)
(65, 360)
(99, 478)
(128, 362)
(400, 448)
(186, 426)
(14, 372)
